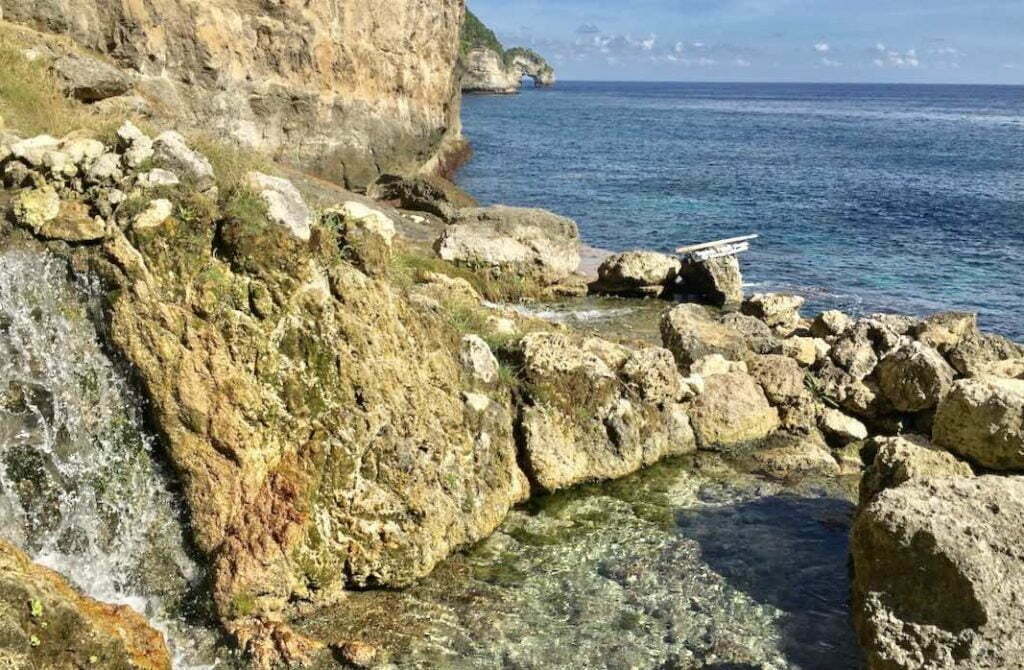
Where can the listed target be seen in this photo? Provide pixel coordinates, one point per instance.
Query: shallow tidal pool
(688, 564)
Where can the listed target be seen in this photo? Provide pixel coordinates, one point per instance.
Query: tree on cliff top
(475, 34)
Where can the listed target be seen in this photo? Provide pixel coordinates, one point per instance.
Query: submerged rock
(939, 574)
(637, 273)
(46, 623)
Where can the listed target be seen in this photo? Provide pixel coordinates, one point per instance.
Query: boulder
(652, 375)
(789, 455)
(106, 169)
(946, 330)
(717, 281)
(636, 273)
(732, 412)
(716, 364)
(982, 421)
(690, 333)
(136, 145)
(915, 378)
(82, 150)
(751, 328)
(938, 575)
(907, 458)
(35, 208)
(154, 215)
(975, 351)
(478, 359)
(832, 323)
(778, 311)
(510, 240)
(32, 150)
(855, 353)
(422, 193)
(806, 351)
(285, 205)
(157, 178)
(366, 235)
(781, 377)
(89, 79)
(840, 428)
(592, 414)
(73, 224)
(46, 623)
(172, 151)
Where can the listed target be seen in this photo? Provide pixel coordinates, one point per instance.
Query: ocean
(867, 198)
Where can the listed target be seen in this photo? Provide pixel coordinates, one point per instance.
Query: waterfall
(80, 489)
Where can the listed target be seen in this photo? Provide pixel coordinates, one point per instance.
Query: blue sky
(948, 41)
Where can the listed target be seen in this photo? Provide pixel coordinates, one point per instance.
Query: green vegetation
(475, 34)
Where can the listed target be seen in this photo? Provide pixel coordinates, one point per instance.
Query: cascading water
(80, 490)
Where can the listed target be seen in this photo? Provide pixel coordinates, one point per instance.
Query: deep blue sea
(868, 198)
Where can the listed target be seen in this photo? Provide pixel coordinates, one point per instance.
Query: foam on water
(80, 488)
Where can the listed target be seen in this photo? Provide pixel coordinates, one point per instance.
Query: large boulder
(915, 377)
(717, 281)
(636, 273)
(90, 79)
(777, 310)
(945, 331)
(690, 332)
(522, 242)
(47, 623)
(938, 575)
(732, 412)
(285, 205)
(831, 323)
(982, 420)
(594, 412)
(781, 377)
(366, 235)
(976, 351)
(901, 459)
(423, 193)
(840, 428)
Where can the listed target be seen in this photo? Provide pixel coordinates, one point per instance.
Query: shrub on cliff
(475, 34)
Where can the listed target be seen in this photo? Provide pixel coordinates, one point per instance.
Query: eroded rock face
(732, 412)
(939, 574)
(915, 377)
(717, 281)
(484, 71)
(597, 411)
(690, 333)
(777, 310)
(46, 623)
(982, 420)
(347, 89)
(529, 243)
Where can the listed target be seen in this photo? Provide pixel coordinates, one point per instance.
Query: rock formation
(485, 66)
(347, 90)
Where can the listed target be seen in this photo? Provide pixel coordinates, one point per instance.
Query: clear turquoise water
(868, 198)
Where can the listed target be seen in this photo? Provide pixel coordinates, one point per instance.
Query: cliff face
(483, 71)
(345, 88)
(485, 66)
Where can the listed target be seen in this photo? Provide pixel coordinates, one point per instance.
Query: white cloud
(648, 43)
(822, 47)
(896, 58)
(742, 62)
(828, 62)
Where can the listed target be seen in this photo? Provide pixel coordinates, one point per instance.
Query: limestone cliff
(485, 66)
(348, 89)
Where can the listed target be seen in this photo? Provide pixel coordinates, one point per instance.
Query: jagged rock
(636, 273)
(840, 428)
(908, 458)
(855, 353)
(82, 150)
(732, 412)
(900, 324)
(832, 323)
(690, 333)
(105, 169)
(157, 178)
(802, 415)
(476, 356)
(716, 364)
(778, 311)
(59, 164)
(35, 208)
(483, 71)
(18, 175)
(285, 205)
(781, 377)
(172, 151)
(46, 623)
(982, 420)
(524, 242)
(651, 373)
(358, 654)
(32, 150)
(787, 455)
(938, 575)
(717, 281)
(423, 193)
(583, 422)
(750, 327)
(89, 79)
(914, 378)
(945, 331)
(806, 351)
(366, 234)
(73, 224)
(975, 351)
(137, 146)
(155, 214)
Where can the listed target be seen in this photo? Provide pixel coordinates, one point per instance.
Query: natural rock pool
(689, 564)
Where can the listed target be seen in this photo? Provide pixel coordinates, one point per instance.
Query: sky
(920, 41)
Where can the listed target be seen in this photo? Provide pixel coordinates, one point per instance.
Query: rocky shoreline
(347, 397)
